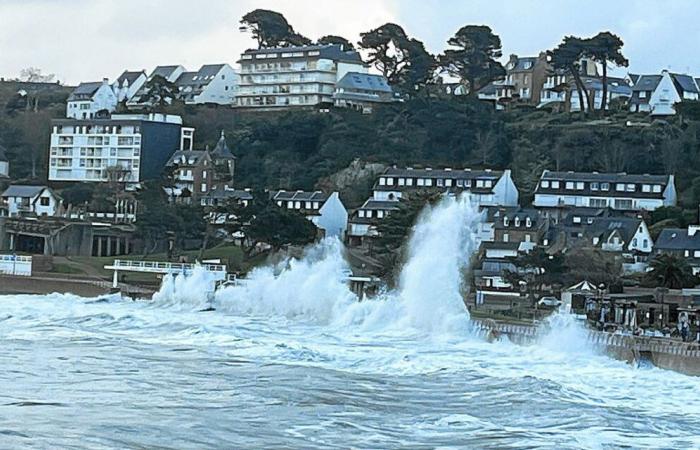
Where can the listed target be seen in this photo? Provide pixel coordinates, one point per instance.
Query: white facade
(16, 265)
(333, 217)
(85, 101)
(212, 84)
(39, 200)
(665, 97)
(87, 151)
(294, 76)
(4, 169)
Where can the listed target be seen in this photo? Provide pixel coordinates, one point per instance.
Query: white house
(128, 84)
(33, 200)
(618, 191)
(274, 78)
(169, 73)
(617, 88)
(657, 94)
(326, 211)
(212, 83)
(487, 187)
(89, 98)
(681, 242)
(4, 164)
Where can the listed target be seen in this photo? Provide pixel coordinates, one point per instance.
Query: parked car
(549, 301)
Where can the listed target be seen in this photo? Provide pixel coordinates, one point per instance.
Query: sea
(290, 358)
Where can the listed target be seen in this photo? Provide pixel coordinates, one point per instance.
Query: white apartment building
(126, 147)
(88, 99)
(274, 78)
(618, 191)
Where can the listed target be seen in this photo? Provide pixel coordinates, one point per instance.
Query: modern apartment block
(126, 148)
(273, 78)
(618, 191)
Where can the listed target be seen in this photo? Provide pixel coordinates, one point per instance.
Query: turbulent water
(291, 359)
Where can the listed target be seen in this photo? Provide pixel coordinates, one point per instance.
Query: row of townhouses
(268, 79)
(532, 81)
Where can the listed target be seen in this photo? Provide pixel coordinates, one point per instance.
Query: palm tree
(670, 271)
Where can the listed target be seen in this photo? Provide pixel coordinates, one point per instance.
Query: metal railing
(163, 267)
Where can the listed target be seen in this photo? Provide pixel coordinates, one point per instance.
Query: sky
(87, 40)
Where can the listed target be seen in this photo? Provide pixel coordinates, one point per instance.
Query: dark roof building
(362, 90)
(684, 243)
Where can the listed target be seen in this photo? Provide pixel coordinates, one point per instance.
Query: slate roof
(677, 239)
(84, 91)
(634, 78)
(221, 150)
(646, 83)
(522, 214)
(131, 77)
(615, 85)
(223, 194)
(380, 205)
(465, 174)
(684, 83)
(19, 190)
(611, 178)
(193, 83)
(164, 71)
(302, 196)
(331, 51)
(520, 65)
(364, 82)
(192, 157)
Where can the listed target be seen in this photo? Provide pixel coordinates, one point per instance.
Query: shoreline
(48, 283)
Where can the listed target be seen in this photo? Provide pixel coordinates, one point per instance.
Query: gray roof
(615, 85)
(520, 65)
(646, 83)
(633, 77)
(130, 77)
(192, 157)
(364, 82)
(465, 174)
(380, 205)
(331, 51)
(85, 91)
(3, 154)
(588, 178)
(609, 177)
(677, 239)
(223, 193)
(684, 83)
(303, 196)
(19, 190)
(164, 71)
(221, 150)
(497, 214)
(200, 79)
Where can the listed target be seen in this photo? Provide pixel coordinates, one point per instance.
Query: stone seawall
(665, 353)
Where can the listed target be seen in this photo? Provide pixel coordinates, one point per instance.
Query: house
(657, 94)
(486, 187)
(128, 84)
(498, 92)
(362, 224)
(362, 91)
(4, 164)
(684, 243)
(524, 226)
(617, 89)
(619, 191)
(23, 200)
(88, 99)
(212, 83)
(193, 173)
(221, 195)
(555, 89)
(326, 211)
(525, 78)
(169, 73)
(128, 148)
(306, 76)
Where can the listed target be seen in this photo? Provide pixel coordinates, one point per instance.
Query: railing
(163, 267)
(16, 265)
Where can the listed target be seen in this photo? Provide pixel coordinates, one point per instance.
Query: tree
(157, 218)
(262, 221)
(567, 58)
(271, 29)
(160, 93)
(606, 47)
(474, 60)
(35, 75)
(336, 40)
(537, 270)
(670, 271)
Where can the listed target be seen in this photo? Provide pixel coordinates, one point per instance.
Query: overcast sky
(86, 40)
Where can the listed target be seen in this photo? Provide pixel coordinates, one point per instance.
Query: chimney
(105, 81)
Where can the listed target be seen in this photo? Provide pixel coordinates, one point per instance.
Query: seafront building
(127, 148)
(274, 78)
(326, 211)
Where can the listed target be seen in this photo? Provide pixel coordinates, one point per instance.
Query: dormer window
(506, 222)
(528, 222)
(570, 185)
(555, 185)
(545, 184)
(517, 221)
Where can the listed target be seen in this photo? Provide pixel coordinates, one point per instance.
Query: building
(128, 84)
(618, 191)
(168, 73)
(363, 222)
(127, 148)
(525, 78)
(617, 89)
(212, 83)
(554, 90)
(683, 243)
(22, 200)
(306, 76)
(326, 211)
(222, 195)
(498, 92)
(657, 94)
(487, 187)
(362, 91)
(88, 99)
(4, 164)
(194, 173)
(525, 227)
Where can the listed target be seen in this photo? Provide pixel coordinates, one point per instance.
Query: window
(448, 183)
(460, 183)
(421, 182)
(570, 185)
(402, 181)
(369, 214)
(204, 187)
(631, 188)
(687, 254)
(479, 183)
(505, 221)
(316, 205)
(307, 205)
(517, 221)
(390, 181)
(645, 243)
(696, 254)
(620, 187)
(598, 203)
(545, 184)
(297, 205)
(290, 205)
(428, 182)
(382, 181)
(380, 214)
(595, 186)
(577, 219)
(409, 181)
(604, 186)
(646, 188)
(624, 204)
(642, 94)
(555, 185)
(440, 182)
(361, 213)
(579, 185)
(634, 242)
(657, 188)
(488, 183)
(44, 201)
(204, 174)
(528, 222)
(506, 237)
